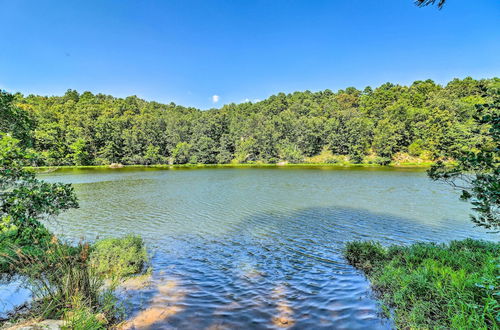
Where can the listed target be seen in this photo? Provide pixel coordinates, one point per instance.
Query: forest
(391, 123)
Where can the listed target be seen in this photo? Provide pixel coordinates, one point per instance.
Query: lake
(260, 248)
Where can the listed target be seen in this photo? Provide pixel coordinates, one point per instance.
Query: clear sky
(189, 51)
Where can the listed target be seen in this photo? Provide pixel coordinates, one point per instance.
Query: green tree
(205, 150)
(14, 120)
(25, 200)
(152, 155)
(477, 172)
(424, 119)
(246, 150)
(79, 153)
(181, 152)
(290, 153)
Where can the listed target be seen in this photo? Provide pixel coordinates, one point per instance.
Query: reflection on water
(164, 304)
(284, 315)
(13, 294)
(259, 248)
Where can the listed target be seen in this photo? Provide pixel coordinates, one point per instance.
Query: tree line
(423, 121)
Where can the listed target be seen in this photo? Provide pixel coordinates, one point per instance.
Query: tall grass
(453, 286)
(63, 283)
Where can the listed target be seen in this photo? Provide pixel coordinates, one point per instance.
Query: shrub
(13, 244)
(61, 280)
(327, 157)
(365, 255)
(374, 159)
(119, 257)
(435, 286)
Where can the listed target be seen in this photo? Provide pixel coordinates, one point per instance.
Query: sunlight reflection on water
(259, 248)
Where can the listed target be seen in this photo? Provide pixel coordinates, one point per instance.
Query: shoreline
(422, 165)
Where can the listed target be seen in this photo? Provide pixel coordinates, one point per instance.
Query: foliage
(421, 119)
(374, 159)
(180, 154)
(327, 157)
(63, 282)
(25, 201)
(119, 257)
(416, 148)
(290, 153)
(365, 255)
(68, 281)
(15, 120)
(453, 286)
(477, 171)
(79, 154)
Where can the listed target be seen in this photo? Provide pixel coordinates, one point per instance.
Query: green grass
(180, 166)
(455, 286)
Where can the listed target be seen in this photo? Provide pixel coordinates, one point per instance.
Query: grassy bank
(455, 286)
(252, 165)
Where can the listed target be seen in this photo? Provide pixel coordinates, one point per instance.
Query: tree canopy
(391, 122)
(477, 171)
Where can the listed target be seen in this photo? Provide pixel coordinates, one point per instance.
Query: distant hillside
(423, 121)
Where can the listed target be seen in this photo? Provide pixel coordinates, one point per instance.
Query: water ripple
(260, 248)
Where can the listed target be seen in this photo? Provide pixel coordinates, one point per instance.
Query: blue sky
(187, 51)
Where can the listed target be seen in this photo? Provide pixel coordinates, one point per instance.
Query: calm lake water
(260, 248)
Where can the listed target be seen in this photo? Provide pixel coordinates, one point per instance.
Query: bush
(327, 157)
(119, 257)
(68, 281)
(61, 279)
(365, 255)
(377, 160)
(15, 242)
(435, 286)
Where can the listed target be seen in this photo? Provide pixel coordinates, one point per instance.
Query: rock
(116, 165)
(34, 325)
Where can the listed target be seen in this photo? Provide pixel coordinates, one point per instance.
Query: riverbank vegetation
(419, 123)
(117, 258)
(455, 286)
(69, 282)
(76, 283)
(430, 286)
(49, 169)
